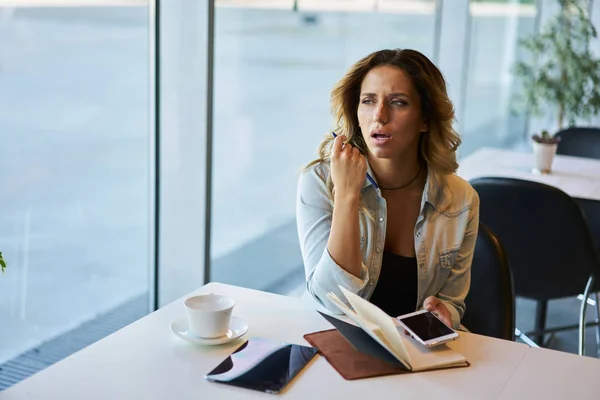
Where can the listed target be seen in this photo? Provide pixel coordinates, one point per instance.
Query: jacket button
(380, 219)
(419, 234)
(422, 266)
(378, 250)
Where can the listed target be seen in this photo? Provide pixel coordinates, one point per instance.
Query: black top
(396, 290)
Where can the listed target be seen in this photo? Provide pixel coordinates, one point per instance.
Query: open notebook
(384, 330)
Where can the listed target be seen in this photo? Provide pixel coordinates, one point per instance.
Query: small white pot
(544, 154)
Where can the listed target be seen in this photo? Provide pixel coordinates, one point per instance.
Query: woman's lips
(380, 138)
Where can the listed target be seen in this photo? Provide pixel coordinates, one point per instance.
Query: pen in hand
(368, 176)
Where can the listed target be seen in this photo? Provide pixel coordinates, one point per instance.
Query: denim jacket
(445, 234)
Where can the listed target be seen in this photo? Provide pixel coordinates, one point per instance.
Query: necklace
(403, 186)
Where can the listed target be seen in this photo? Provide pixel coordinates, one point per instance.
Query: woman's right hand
(348, 168)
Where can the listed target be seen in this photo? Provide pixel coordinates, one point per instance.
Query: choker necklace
(403, 186)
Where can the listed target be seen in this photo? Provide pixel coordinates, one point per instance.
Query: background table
(579, 177)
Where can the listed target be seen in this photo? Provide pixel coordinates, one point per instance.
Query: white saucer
(237, 328)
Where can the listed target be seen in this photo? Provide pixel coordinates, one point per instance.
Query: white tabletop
(579, 177)
(549, 374)
(146, 361)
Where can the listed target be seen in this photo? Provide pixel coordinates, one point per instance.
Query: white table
(550, 374)
(146, 361)
(579, 177)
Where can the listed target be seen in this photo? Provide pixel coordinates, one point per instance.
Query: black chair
(490, 304)
(584, 142)
(548, 242)
(579, 142)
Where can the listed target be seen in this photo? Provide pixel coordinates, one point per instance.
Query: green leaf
(2, 263)
(560, 72)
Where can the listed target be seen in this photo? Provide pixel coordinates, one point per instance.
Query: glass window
(496, 28)
(75, 189)
(183, 127)
(274, 70)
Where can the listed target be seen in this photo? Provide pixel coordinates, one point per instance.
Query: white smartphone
(426, 328)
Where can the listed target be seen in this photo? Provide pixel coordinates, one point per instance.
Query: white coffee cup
(209, 315)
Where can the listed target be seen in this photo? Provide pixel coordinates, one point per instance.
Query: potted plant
(562, 75)
(544, 149)
(2, 263)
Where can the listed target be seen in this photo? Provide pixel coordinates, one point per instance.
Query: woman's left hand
(437, 307)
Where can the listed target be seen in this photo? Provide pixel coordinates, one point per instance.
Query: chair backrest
(580, 142)
(490, 304)
(546, 236)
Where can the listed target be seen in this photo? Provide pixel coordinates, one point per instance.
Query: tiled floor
(560, 312)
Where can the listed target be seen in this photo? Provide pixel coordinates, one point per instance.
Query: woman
(404, 240)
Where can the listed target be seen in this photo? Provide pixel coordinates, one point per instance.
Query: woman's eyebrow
(395, 94)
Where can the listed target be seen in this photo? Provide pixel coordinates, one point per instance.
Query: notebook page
(370, 328)
(370, 312)
(422, 358)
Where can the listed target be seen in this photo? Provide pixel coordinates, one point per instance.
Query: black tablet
(263, 364)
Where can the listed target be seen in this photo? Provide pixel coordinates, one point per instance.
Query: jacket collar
(434, 192)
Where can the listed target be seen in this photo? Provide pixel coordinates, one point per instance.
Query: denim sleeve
(457, 284)
(314, 212)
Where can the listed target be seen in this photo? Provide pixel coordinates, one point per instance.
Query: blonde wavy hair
(437, 146)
